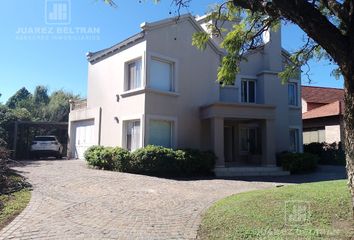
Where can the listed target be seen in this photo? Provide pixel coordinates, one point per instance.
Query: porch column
(268, 143)
(217, 140)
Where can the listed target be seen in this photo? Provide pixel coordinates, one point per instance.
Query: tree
(40, 95)
(329, 25)
(19, 98)
(58, 108)
(7, 118)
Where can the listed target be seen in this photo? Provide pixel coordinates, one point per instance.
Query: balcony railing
(78, 104)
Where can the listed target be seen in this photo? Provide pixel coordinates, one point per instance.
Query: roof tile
(322, 94)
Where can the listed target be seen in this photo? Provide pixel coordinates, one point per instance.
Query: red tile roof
(331, 109)
(322, 94)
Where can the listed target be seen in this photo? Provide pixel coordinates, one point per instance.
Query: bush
(93, 156)
(298, 162)
(329, 154)
(108, 158)
(195, 162)
(152, 160)
(155, 160)
(121, 159)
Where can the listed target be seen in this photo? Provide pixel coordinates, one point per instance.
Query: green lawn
(307, 211)
(11, 205)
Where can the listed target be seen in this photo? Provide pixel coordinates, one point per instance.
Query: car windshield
(42, 139)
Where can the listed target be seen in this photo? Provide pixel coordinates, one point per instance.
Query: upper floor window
(294, 140)
(161, 75)
(248, 91)
(134, 75)
(292, 94)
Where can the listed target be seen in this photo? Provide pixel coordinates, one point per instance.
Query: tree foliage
(39, 106)
(19, 99)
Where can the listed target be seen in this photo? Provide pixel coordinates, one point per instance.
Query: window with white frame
(160, 133)
(292, 94)
(134, 75)
(161, 75)
(294, 140)
(132, 134)
(248, 91)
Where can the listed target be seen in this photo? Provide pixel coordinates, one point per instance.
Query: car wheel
(59, 156)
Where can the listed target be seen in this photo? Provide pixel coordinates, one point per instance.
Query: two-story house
(156, 88)
(322, 114)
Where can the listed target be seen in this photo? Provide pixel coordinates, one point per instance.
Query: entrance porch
(243, 138)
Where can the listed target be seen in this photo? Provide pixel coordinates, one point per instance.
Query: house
(322, 114)
(156, 88)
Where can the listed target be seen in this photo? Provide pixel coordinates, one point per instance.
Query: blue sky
(27, 61)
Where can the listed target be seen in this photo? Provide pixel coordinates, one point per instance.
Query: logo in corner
(57, 12)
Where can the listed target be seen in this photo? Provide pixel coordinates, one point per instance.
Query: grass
(12, 204)
(307, 211)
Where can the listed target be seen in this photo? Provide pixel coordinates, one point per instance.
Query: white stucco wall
(105, 82)
(195, 78)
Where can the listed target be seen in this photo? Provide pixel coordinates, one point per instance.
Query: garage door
(84, 137)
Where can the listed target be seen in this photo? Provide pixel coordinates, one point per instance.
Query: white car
(46, 146)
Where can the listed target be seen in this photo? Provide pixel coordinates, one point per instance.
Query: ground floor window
(132, 129)
(314, 135)
(294, 140)
(160, 133)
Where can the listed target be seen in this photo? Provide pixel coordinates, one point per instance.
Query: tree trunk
(349, 130)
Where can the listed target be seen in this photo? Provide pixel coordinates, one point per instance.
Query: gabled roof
(332, 109)
(322, 94)
(185, 17)
(93, 57)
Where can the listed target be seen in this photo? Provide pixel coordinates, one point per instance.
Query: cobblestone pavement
(71, 201)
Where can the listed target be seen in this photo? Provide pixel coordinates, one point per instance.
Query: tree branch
(310, 19)
(337, 9)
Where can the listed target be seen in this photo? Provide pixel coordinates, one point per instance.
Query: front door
(248, 140)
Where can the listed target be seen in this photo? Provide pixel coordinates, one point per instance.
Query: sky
(44, 42)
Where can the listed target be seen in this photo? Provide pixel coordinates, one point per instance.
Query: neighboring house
(322, 114)
(156, 88)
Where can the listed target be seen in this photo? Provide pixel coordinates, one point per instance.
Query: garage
(84, 137)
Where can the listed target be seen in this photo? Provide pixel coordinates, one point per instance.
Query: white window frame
(297, 94)
(173, 121)
(124, 129)
(255, 90)
(126, 74)
(175, 66)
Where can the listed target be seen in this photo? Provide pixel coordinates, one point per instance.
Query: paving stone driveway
(71, 201)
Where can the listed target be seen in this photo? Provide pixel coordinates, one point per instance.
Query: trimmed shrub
(298, 162)
(108, 158)
(152, 160)
(121, 159)
(97, 156)
(195, 162)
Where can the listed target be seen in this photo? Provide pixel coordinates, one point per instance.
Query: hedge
(329, 154)
(298, 162)
(152, 160)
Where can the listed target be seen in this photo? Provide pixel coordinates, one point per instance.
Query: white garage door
(84, 137)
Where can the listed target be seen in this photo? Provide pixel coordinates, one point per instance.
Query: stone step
(249, 171)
